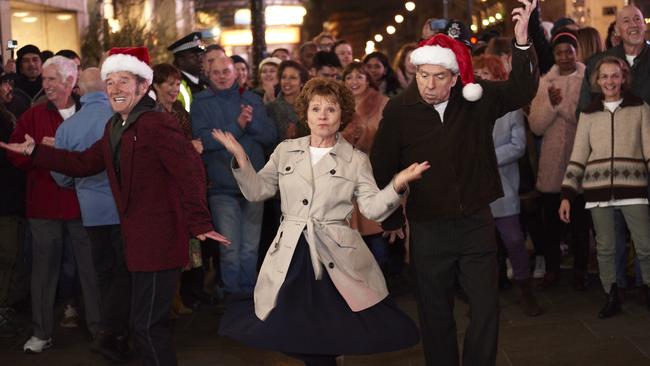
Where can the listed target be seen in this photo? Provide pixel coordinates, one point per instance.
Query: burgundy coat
(161, 193)
(45, 199)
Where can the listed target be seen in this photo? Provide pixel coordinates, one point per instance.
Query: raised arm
(255, 186)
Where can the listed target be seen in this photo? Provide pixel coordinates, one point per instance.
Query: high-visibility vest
(185, 96)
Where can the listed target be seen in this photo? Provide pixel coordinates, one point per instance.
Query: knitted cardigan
(610, 152)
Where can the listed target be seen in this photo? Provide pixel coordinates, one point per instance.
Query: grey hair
(64, 66)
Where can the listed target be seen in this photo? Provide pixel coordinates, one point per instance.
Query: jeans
(622, 251)
(379, 248)
(241, 222)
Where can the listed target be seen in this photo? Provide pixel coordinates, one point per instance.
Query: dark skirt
(311, 317)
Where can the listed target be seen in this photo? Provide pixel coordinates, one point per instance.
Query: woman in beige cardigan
(319, 293)
(552, 116)
(609, 163)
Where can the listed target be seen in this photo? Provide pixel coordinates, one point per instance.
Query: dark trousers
(446, 252)
(554, 231)
(113, 277)
(151, 305)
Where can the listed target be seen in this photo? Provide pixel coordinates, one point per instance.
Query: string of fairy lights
(409, 6)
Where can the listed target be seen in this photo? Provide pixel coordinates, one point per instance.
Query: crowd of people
(143, 191)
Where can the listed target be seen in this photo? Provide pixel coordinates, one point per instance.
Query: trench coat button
(331, 265)
(287, 168)
(305, 202)
(332, 171)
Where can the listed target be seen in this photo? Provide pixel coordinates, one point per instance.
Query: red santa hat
(453, 55)
(132, 59)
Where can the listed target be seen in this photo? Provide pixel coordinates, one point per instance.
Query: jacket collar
(597, 104)
(411, 95)
(342, 149)
(620, 52)
(75, 97)
(94, 97)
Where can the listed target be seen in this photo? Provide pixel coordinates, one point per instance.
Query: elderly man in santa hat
(452, 235)
(158, 183)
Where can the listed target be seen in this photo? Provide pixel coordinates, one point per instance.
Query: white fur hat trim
(435, 55)
(124, 62)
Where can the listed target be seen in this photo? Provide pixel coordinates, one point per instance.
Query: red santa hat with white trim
(453, 55)
(132, 59)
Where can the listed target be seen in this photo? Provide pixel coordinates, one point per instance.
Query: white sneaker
(540, 267)
(37, 345)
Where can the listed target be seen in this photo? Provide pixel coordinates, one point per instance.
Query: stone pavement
(568, 333)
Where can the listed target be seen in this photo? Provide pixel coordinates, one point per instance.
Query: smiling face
(324, 116)
(610, 80)
(222, 73)
(435, 83)
(376, 69)
(124, 91)
(290, 82)
(242, 73)
(269, 74)
(56, 89)
(630, 26)
(167, 92)
(357, 82)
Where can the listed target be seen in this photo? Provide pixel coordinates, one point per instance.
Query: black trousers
(554, 231)
(151, 305)
(114, 279)
(446, 252)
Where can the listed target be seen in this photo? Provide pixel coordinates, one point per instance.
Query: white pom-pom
(472, 92)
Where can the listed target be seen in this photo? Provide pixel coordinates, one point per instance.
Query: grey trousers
(48, 236)
(638, 221)
(444, 253)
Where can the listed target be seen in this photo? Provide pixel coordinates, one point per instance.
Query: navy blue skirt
(311, 317)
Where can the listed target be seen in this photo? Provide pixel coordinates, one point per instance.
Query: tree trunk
(258, 28)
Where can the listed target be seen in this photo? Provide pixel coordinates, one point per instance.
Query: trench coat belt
(311, 223)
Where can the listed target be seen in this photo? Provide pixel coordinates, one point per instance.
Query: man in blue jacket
(99, 216)
(243, 114)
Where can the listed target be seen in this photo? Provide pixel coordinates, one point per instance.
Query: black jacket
(12, 181)
(463, 177)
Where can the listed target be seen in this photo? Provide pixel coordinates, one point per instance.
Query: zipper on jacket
(611, 186)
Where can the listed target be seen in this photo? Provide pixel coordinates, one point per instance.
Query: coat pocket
(345, 237)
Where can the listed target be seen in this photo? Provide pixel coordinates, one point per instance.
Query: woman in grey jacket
(320, 292)
(509, 137)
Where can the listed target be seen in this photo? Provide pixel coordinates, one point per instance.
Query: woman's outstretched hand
(231, 144)
(413, 172)
(26, 148)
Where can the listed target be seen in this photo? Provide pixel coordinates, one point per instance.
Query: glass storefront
(47, 28)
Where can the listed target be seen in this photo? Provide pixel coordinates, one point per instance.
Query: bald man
(99, 217)
(630, 26)
(244, 115)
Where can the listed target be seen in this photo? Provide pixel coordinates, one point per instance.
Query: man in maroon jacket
(53, 212)
(158, 184)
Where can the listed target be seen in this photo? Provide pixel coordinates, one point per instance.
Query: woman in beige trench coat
(320, 292)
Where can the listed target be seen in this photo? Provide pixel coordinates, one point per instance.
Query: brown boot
(529, 303)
